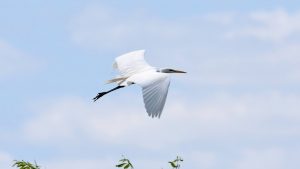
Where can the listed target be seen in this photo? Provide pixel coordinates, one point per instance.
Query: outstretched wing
(155, 93)
(131, 63)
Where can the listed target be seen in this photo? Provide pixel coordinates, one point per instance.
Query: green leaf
(126, 166)
(120, 165)
(173, 164)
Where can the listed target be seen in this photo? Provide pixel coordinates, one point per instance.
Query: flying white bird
(154, 81)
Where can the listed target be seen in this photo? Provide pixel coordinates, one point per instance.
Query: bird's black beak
(178, 71)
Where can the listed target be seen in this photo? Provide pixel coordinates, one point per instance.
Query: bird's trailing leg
(104, 93)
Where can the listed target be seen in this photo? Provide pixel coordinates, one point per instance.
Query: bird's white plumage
(131, 63)
(155, 87)
(154, 82)
(155, 96)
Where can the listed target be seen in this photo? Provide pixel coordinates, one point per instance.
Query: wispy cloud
(14, 61)
(276, 25)
(6, 160)
(234, 120)
(108, 28)
(221, 113)
(260, 159)
(206, 56)
(203, 159)
(224, 18)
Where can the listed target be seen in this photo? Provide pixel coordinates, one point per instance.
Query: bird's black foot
(99, 95)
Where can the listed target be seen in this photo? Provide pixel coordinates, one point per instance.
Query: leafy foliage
(124, 163)
(25, 165)
(175, 164)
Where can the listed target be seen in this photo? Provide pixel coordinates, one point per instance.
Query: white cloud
(68, 117)
(100, 27)
(203, 160)
(197, 46)
(262, 159)
(13, 61)
(264, 116)
(5, 160)
(277, 25)
(224, 18)
(107, 28)
(277, 66)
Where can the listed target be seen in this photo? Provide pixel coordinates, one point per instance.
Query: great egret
(154, 81)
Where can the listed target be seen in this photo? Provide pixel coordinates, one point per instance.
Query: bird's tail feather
(118, 80)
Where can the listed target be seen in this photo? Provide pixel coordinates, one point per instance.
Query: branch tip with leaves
(25, 165)
(124, 163)
(175, 164)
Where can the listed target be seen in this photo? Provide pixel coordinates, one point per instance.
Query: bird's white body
(145, 78)
(155, 82)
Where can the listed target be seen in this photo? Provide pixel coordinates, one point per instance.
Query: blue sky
(238, 106)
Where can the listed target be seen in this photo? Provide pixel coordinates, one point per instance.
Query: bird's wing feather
(155, 93)
(131, 63)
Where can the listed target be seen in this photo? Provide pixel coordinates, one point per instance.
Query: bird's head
(168, 70)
